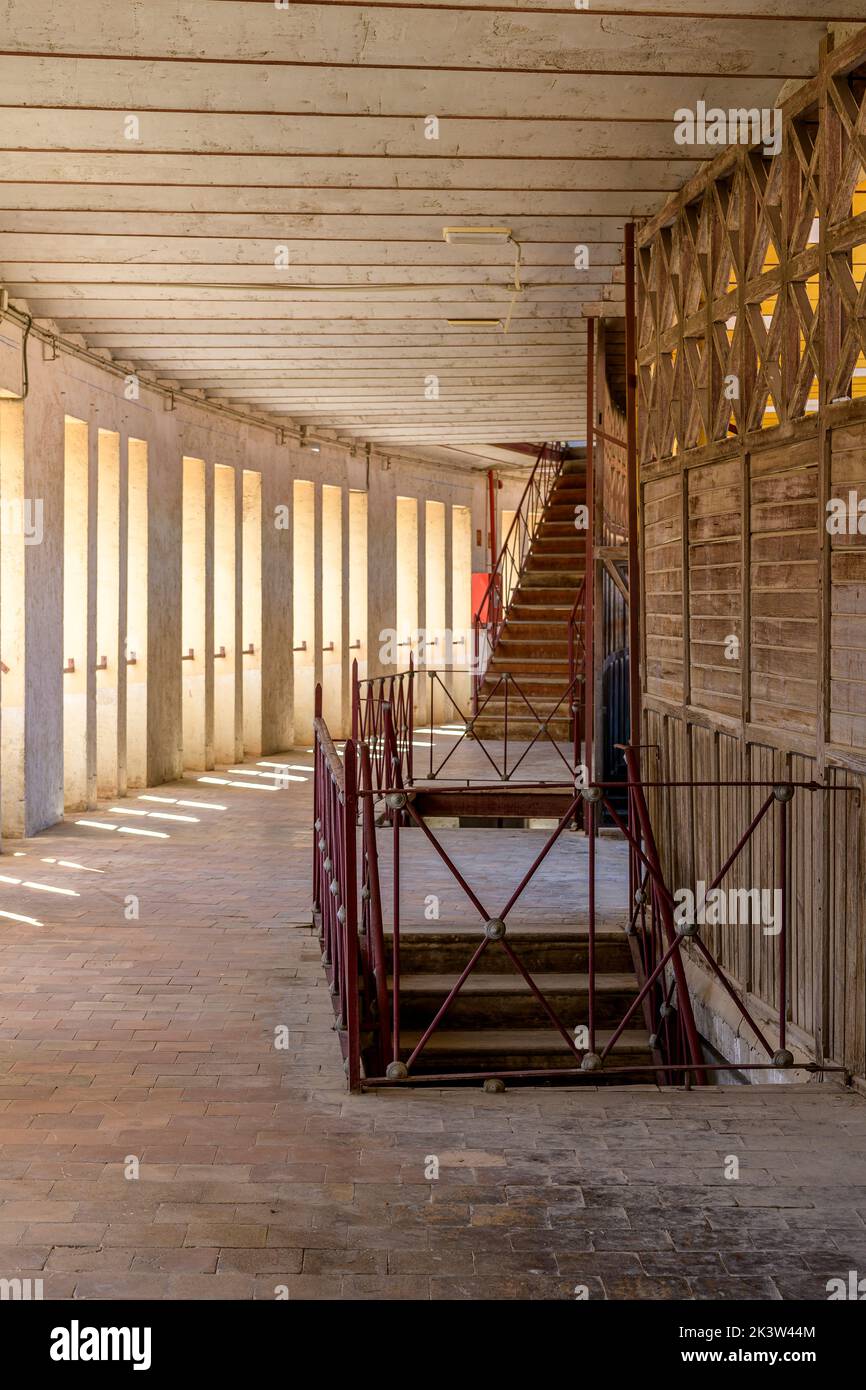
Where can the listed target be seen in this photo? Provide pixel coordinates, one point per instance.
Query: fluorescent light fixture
(476, 236)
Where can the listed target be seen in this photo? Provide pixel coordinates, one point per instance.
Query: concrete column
(108, 627)
(225, 547)
(138, 581)
(250, 580)
(382, 572)
(209, 615)
(318, 635)
(12, 609)
(43, 608)
(165, 671)
(345, 635)
(278, 671)
(122, 621)
(90, 604)
(238, 635)
(451, 656)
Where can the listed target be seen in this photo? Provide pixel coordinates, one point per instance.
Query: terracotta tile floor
(146, 1044)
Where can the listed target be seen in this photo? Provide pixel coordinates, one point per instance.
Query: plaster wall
(132, 578)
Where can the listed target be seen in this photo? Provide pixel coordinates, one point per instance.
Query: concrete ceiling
(304, 127)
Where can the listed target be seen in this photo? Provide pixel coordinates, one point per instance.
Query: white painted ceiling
(304, 127)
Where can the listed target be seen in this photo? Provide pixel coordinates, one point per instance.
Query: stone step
(551, 579)
(555, 554)
(500, 1000)
(437, 949)
(516, 1049)
(530, 648)
(526, 629)
(549, 682)
(530, 656)
(561, 597)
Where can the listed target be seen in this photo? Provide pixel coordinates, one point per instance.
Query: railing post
(633, 484)
(374, 905)
(349, 924)
(589, 560)
(664, 908)
(395, 944)
(784, 793)
(356, 702)
(318, 816)
(410, 733)
(590, 830)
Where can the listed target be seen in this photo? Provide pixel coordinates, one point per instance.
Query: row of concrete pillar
(173, 585)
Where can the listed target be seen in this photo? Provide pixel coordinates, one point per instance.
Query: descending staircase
(495, 1023)
(533, 642)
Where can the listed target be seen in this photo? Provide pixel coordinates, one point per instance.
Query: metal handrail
(335, 882)
(371, 698)
(578, 674)
(357, 965)
(511, 560)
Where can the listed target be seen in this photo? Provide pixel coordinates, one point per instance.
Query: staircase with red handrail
(527, 633)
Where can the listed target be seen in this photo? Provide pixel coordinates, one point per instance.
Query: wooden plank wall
(663, 591)
(714, 569)
(848, 596)
(751, 323)
(715, 505)
(785, 542)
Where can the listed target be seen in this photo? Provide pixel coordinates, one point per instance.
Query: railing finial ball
(494, 1085)
(590, 1061)
(666, 1010)
(322, 844)
(592, 794)
(687, 929)
(494, 929)
(783, 1058)
(783, 791)
(396, 1071)
(396, 800)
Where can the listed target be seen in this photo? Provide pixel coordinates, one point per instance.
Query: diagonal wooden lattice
(752, 281)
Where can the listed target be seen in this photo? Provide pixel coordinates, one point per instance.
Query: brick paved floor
(149, 1041)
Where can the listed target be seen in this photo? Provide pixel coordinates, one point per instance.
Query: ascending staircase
(533, 643)
(496, 1023)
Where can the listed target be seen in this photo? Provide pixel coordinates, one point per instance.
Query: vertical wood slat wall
(752, 415)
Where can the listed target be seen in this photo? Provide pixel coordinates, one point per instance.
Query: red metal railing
(663, 940)
(509, 750)
(370, 700)
(578, 674)
(510, 562)
(335, 883)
